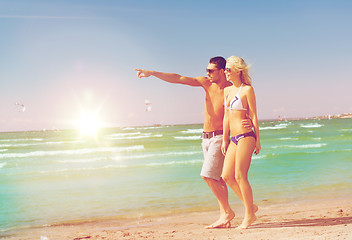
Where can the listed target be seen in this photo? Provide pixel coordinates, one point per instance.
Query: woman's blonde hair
(240, 65)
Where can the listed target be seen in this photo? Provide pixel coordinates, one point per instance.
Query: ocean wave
(142, 128)
(21, 139)
(288, 138)
(173, 163)
(81, 160)
(119, 166)
(39, 144)
(72, 152)
(65, 170)
(127, 128)
(279, 126)
(187, 137)
(3, 164)
(3, 150)
(64, 142)
(318, 145)
(157, 155)
(123, 134)
(129, 136)
(345, 130)
(193, 131)
(312, 125)
(258, 156)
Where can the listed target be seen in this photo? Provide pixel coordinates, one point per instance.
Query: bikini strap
(228, 93)
(240, 89)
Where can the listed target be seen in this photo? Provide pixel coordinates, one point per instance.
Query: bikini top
(235, 103)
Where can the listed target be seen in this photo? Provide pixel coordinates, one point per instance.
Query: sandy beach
(327, 219)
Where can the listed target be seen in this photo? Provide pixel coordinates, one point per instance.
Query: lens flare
(89, 124)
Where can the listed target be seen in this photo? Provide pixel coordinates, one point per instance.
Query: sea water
(49, 177)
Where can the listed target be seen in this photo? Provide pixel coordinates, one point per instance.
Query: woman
(239, 103)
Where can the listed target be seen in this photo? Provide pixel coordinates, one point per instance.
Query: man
(213, 86)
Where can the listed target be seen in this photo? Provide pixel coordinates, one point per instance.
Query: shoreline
(339, 116)
(304, 219)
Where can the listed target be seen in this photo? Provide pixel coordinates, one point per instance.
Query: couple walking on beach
(228, 140)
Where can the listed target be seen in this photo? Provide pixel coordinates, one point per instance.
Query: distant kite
(148, 106)
(21, 106)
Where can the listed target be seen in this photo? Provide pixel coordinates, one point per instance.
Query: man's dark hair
(220, 62)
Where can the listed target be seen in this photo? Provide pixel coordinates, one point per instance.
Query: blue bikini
(236, 104)
(235, 139)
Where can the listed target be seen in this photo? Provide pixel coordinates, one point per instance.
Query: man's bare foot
(223, 222)
(247, 222)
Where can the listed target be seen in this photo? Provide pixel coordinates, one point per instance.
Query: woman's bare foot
(223, 222)
(247, 222)
(255, 208)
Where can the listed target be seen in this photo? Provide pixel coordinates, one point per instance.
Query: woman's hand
(224, 146)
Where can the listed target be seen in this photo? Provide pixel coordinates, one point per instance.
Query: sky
(71, 60)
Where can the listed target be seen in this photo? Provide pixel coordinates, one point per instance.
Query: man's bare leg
(219, 189)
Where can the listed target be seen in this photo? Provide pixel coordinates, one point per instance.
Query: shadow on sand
(306, 223)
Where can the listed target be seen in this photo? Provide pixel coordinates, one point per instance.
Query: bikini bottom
(235, 139)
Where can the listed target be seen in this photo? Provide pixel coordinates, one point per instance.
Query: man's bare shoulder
(204, 81)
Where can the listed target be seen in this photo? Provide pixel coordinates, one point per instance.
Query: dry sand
(328, 219)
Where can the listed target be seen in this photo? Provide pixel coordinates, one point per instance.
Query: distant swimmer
(148, 106)
(21, 106)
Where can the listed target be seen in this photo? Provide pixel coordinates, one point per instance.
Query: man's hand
(143, 73)
(247, 123)
(257, 148)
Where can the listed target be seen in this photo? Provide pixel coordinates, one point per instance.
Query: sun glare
(89, 124)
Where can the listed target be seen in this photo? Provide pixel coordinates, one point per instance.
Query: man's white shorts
(213, 157)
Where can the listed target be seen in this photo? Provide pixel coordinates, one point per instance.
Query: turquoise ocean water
(55, 176)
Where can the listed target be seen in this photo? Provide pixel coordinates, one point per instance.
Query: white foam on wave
(186, 162)
(345, 130)
(3, 150)
(64, 142)
(153, 127)
(72, 152)
(279, 126)
(142, 128)
(193, 131)
(39, 144)
(312, 125)
(187, 137)
(81, 160)
(21, 139)
(157, 155)
(121, 135)
(66, 170)
(129, 136)
(318, 145)
(3, 164)
(119, 166)
(288, 138)
(258, 156)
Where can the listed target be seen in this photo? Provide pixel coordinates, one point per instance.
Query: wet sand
(327, 219)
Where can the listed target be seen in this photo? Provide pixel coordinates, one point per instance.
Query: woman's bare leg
(243, 158)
